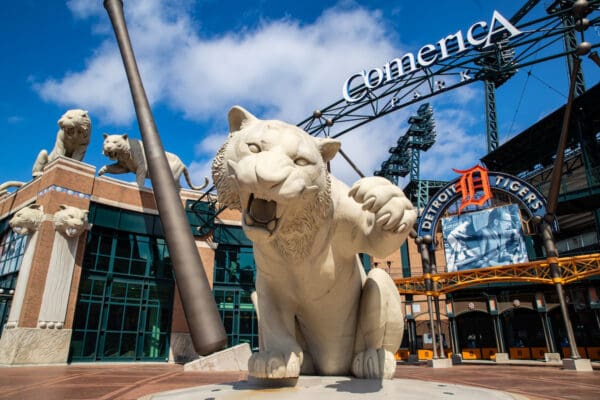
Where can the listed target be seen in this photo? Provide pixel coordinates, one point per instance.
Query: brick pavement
(131, 381)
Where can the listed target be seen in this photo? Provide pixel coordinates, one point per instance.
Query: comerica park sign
(480, 35)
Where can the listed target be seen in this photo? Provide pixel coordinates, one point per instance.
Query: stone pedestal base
(552, 357)
(440, 363)
(336, 388)
(578, 364)
(34, 346)
(456, 359)
(502, 358)
(232, 359)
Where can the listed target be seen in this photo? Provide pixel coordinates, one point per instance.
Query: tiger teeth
(248, 220)
(272, 225)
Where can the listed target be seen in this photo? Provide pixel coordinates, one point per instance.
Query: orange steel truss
(571, 269)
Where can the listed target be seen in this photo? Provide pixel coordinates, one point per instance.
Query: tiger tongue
(262, 211)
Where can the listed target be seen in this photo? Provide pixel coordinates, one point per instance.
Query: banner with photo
(484, 239)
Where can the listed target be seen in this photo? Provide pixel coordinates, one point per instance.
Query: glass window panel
(138, 267)
(98, 288)
(114, 321)
(167, 272)
(80, 316)
(245, 298)
(118, 290)
(85, 288)
(219, 275)
(246, 258)
(111, 344)
(154, 344)
(102, 263)
(105, 216)
(105, 245)
(123, 248)
(128, 345)
(152, 318)
(89, 348)
(12, 248)
(94, 316)
(132, 315)
(77, 344)
(165, 320)
(219, 294)
(134, 291)
(228, 321)
(164, 294)
(88, 260)
(135, 222)
(152, 294)
(121, 265)
(93, 240)
(141, 248)
(246, 322)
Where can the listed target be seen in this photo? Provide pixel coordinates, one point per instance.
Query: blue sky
(278, 59)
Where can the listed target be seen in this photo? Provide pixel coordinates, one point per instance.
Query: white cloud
(281, 69)
(82, 9)
(101, 88)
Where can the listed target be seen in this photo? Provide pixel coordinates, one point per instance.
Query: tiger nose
(271, 169)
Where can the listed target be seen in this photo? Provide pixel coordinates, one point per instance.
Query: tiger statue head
(276, 175)
(76, 127)
(70, 221)
(27, 220)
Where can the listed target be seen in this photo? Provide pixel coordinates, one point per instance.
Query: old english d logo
(474, 186)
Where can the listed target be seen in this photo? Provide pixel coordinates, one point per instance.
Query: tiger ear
(238, 117)
(124, 136)
(328, 148)
(105, 135)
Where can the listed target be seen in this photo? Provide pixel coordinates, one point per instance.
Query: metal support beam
(491, 117)
(570, 39)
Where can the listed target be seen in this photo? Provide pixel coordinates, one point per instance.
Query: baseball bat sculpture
(206, 329)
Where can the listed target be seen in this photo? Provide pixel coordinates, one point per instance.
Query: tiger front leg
(380, 328)
(140, 176)
(112, 169)
(389, 215)
(279, 356)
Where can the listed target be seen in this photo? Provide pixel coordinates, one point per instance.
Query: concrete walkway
(132, 381)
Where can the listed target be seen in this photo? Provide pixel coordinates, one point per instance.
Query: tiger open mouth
(261, 213)
(110, 154)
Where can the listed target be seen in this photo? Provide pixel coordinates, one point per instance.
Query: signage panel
(484, 238)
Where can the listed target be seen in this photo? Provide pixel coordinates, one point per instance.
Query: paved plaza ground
(132, 381)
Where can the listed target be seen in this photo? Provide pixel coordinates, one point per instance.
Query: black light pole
(206, 329)
(546, 231)
(423, 245)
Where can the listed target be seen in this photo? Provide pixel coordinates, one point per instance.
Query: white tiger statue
(130, 156)
(70, 221)
(72, 140)
(318, 312)
(27, 220)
